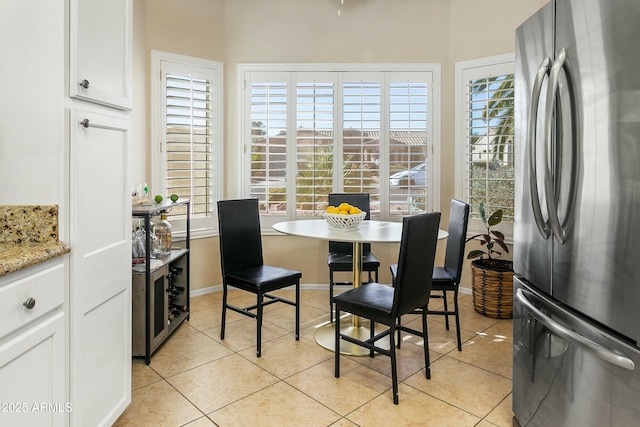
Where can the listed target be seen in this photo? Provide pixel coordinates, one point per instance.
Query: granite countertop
(28, 236)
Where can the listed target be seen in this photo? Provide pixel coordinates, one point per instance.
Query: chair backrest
(359, 200)
(239, 234)
(454, 254)
(415, 262)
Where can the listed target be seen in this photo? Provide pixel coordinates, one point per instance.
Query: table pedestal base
(325, 336)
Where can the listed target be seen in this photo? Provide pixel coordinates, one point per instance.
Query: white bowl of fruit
(344, 217)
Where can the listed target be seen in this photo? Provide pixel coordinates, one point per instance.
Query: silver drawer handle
(570, 335)
(29, 303)
(85, 84)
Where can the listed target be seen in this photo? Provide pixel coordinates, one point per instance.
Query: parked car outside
(417, 175)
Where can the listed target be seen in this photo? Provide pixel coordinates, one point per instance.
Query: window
(188, 135)
(308, 132)
(484, 137)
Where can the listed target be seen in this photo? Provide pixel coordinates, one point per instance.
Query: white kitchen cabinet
(80, 351)
(99, 123)
(100, 51)
(33, 368)
(32, 91)
(100, 279)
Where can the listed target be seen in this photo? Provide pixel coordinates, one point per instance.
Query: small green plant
(491, 238)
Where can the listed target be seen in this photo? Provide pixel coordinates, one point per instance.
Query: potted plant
(491, 277)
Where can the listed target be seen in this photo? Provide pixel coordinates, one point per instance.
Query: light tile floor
(196, 379)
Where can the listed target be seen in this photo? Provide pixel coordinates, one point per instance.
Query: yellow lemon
(332, 210)
(354, 210)
(344, 207)
(344, 212)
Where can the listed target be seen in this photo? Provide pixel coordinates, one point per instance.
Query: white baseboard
(204, 291)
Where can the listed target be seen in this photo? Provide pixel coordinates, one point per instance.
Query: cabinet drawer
(43, 283)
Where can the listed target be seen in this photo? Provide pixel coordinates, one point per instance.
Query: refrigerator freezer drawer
(568, 372)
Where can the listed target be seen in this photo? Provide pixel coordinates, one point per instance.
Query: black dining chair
(447, 278)
(386, 304)
(243, 267)
(340, 257)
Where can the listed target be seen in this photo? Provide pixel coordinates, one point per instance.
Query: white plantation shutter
(188, 160)
(189, 142)
(361, 129)
(314, 144)
(268, 116)
(310, 130)
(485, 115)
(408, 143)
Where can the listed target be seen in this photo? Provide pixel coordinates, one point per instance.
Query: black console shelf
(160, 287)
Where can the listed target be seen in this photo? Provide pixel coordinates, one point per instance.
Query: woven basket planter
(492, 288)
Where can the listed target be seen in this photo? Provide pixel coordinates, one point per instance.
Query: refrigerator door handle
(542, 72)
(559, 231)
(569, 335)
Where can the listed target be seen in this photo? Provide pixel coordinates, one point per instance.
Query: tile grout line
(284, 380)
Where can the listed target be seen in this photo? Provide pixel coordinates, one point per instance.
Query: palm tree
(315, 179)
(500, 108)
(493, 182)
(499, 112)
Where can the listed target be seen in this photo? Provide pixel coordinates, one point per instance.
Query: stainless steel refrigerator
(576, 324)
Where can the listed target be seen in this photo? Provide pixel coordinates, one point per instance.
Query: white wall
(240, 31)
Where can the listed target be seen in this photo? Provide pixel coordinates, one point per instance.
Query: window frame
(465, 71)
(200, 227)
(244, 72)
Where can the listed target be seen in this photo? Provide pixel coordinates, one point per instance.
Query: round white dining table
(368, 232)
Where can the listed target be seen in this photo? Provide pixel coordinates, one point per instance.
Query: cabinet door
(156, 321)
(33, 375)
(100, 285)
(32, 91)
(100, 51)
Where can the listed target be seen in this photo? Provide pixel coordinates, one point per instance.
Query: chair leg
(298, 310)
(425, 331)
(337, 344)
(372, 332)
(446, 316)
(224, 310)
(259, 324)
(394, 368)
(331, 295)
(455, 306)
(399, 332)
